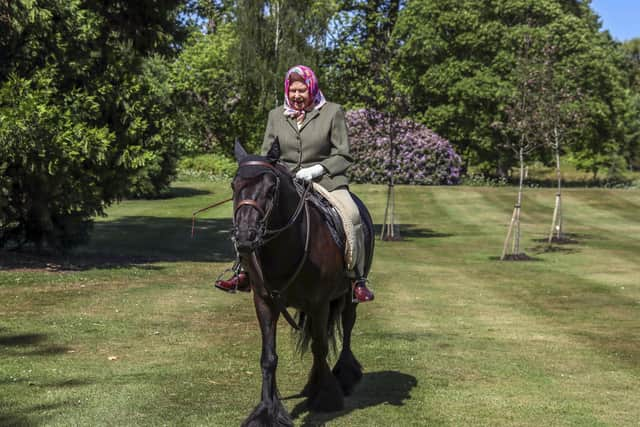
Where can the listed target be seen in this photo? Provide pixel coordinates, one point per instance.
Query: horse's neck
(291, 240)
(288, 201)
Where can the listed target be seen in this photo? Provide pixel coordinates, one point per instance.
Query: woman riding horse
(312, 134)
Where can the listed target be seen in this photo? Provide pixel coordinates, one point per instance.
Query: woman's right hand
(311, 172)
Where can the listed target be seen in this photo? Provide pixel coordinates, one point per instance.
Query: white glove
(311, 172)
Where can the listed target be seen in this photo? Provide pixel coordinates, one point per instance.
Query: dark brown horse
(292, 260)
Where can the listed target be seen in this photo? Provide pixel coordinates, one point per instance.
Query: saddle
(343, 236)
(330, 215)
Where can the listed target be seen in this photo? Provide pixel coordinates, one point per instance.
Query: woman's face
(299, 96)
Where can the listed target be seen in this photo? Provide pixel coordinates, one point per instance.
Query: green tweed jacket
(322, 139)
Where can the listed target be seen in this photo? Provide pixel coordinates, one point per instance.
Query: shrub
(81, 123)
(421, 157)
(50, 166)
(208, 166)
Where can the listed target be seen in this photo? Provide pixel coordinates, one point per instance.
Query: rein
(193, 215)
(276, 294)
(267, 235)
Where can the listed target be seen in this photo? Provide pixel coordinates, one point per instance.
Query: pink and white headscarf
(317, 98)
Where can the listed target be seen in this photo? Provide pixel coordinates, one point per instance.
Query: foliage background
(99, 102)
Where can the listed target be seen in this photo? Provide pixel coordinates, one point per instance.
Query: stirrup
(235, 270)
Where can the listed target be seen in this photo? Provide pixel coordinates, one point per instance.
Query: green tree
(204, 85)
(361, 56)
(631, 51)
(455, 71)
(79, 125)
(631, 118)
(272, 37)
(522, 128)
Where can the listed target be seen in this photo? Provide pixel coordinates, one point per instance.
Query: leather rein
(265, 235)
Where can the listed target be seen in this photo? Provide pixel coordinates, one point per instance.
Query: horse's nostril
(243, 248)
(245, 239)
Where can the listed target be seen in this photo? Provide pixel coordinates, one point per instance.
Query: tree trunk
(556, 223)
(514, 225)
(506, 240)
(276, 48)
(388, 226)
(516, 237)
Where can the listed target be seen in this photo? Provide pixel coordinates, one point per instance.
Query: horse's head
(256, 187)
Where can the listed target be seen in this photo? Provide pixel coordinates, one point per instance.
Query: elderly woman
(314, 145)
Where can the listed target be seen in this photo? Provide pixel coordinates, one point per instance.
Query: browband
(257, 163)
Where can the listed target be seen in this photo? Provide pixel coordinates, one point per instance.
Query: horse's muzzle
(246, 240)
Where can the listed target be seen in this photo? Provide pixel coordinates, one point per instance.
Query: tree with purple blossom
(421, 156)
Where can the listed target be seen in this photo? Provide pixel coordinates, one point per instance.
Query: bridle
(260, 228)
(264, 234)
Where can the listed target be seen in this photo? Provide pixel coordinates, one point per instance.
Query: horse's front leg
(270, 411)
(348, 370)
(323, 390)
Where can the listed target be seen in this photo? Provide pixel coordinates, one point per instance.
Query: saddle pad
(346, 223)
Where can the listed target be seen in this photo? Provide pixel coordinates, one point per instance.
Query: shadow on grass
(142, 240)
(66, 383)
(567, 239)
(21, 340)
(555, 248)
(135, 240)
(521, 257)
(174, 192)
(29, 416)
(412, 231)
(376, 388)
(22, 345)
(587, 182)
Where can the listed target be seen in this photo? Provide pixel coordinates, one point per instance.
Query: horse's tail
(334, 327)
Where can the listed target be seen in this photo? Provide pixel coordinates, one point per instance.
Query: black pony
(287, 248)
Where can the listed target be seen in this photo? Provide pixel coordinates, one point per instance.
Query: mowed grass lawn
(129, 330)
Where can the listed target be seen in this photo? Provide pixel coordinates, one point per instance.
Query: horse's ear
(239, 151)
(274, 151)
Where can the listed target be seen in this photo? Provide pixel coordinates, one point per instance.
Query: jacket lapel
(292, 123)
(310, 116)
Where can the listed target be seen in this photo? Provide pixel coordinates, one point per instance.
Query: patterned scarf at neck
(316, 95)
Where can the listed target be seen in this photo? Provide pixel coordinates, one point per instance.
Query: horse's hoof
(328, 398)
(274, 415)
(327, 402)
(348, 372)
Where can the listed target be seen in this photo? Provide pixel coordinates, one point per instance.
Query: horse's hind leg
(347, 370)
(323, 390)
(270, 411)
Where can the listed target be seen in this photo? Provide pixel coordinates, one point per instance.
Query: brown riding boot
(360, 291)
(239, 282)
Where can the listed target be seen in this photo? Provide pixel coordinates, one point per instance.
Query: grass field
(129, 331)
